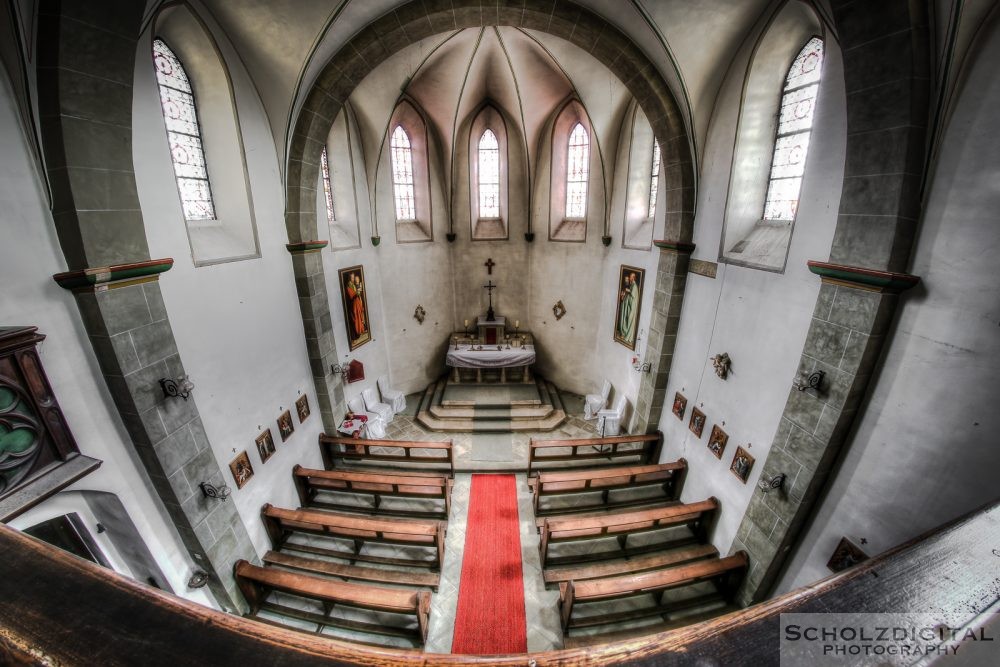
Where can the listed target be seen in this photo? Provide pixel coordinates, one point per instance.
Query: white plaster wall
(760, 318)
(29, 254)
(237, 325)
(926, 448)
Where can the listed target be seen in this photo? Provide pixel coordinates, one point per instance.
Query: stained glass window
(577, 171)
(402, 174)
(489, 175)
(183, 134)
(327, 186)
(795, 121)
(653, 179)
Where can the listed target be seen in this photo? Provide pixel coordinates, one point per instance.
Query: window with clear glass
(327, 186)
(654, 177)
(489, 175)
(577, 172)
(798, 103)
(183, 134)
(402, 174)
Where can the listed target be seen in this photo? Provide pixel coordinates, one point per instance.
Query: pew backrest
(617, 450)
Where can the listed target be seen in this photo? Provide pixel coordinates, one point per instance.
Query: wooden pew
(547, 484)
(622, 524)
(725, 573)
(280, 524)
(311, 483)
(359, 452)
(257, 582)
(378, 575)
(617, 450)
(653, 561)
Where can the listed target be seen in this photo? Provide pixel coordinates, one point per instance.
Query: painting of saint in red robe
(354, 292)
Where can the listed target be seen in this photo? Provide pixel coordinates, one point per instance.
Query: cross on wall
(489, 264)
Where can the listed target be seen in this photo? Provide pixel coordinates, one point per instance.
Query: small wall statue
(722, 362)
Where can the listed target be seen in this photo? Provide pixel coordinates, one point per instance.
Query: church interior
(550, 331)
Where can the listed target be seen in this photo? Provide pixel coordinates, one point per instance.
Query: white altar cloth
(490, 356)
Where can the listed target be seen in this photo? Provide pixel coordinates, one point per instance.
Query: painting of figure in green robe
(630, 283)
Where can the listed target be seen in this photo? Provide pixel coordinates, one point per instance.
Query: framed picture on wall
(265, 445)
(845, 555)
(630, 284)
(241, 469)
(354, 294)
(697, 423)
(302, 407)
(742, 464)
(680, 406)
(717, 441)
(285, 425)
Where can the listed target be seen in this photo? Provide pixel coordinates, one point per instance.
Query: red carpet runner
(490, 616)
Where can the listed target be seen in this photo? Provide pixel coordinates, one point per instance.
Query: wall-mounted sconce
(198, 579)
(217, 492)
(419, 314)
(767, 485)
(722, 362)
(181, 387)
(349, 371)
(812, 380)
(340, 369)
(641, 368)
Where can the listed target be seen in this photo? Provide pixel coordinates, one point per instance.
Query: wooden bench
(725, 573)
(617, 450)
(280, 524)
(653, 561)
(257, 582)
(547, 484)
(622, 524)
(310, 483)
(359, 452)
(376, 575)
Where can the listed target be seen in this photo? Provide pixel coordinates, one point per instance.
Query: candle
(466, 323)
(517, 323)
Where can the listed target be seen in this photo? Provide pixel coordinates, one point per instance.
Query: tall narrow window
(654, 178)
(798, 103)
(578, 169)
(327, 186)
(183, 134)
(489, 175)
(402, 174)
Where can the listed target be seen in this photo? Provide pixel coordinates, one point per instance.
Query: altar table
(488, 356)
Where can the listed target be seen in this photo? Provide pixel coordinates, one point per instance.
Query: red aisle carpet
(490, 616)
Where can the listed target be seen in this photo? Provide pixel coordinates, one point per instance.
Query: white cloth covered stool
(374, 427)
(609, 422)
(593, 403)
(372, 404)
(395, 398)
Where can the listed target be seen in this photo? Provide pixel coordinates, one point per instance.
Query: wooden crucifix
(489, 287)
(489, 264)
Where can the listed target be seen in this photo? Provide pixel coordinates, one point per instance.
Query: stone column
(671, 278)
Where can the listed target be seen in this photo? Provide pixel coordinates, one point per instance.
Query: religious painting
(630, 283)
(265, 445)
(354, 293)
(717, 441)
(697, 423)
(680, 405)
(285, 425)
(241, 469)
(845, 555)
(742, 464)
(302, 407)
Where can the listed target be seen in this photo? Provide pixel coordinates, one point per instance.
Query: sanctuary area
(515, 332)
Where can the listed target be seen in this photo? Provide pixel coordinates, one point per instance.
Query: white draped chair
(592, 403)
(609, 421)
(374, 427)
(372, 404)
(395, 398)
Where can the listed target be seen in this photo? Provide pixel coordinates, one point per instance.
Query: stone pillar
(310, 283)
(852, 316)
(671, 277)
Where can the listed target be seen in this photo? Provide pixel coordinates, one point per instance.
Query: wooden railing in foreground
(58, 609)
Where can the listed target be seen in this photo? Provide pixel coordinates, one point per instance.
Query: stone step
(479, 413)
(551, 422)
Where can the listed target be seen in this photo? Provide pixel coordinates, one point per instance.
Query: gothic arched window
(577, 172)
(402, 175)
(654, 177)
(489, 175)
(798, 102)
(183, 134)
(327, 187)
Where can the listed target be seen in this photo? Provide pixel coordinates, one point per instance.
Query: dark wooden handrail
(57, 608)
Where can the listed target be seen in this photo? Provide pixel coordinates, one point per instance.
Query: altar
(503, 358)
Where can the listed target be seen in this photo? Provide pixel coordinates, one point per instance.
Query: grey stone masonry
(671, 278)
(314, 304)
(135, 347)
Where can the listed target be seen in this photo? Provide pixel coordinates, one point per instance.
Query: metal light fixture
(768, 485)
(198, 579)
(181, 387)
(341, 370)
(806, 380)
(217, 492)
(641, 368)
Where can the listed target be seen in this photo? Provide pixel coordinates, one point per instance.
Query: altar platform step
(491, 408)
